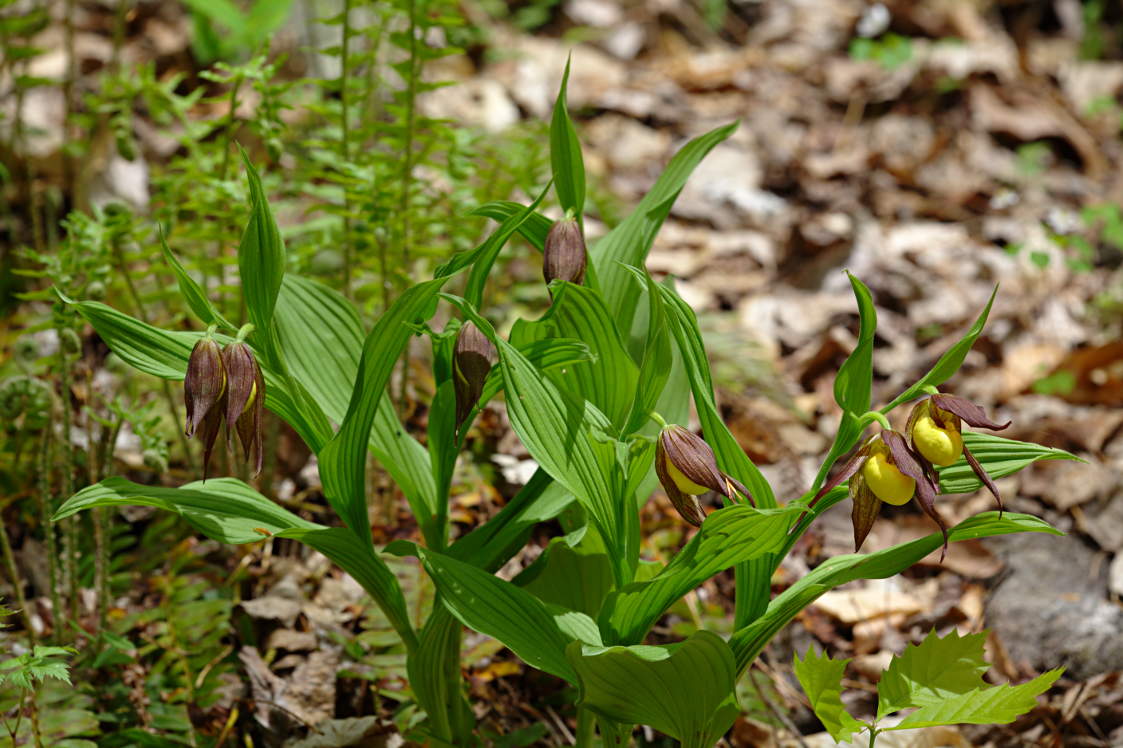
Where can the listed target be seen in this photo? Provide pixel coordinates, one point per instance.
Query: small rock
(1053, 609)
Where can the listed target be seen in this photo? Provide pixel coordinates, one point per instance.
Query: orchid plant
(599, 389)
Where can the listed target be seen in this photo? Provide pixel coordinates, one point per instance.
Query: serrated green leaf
(565, 155)
(821, 678)
(998, 456)
(943, 676)
(932, 671)
(684, 690)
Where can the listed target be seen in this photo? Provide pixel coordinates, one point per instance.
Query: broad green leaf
(998, 456)
(501, 610)
(545, 355)
(342, 460)
(575, 578)
(361, 561)
(483, 257)
(491, 544)
(225, 509)
(821, 678)
(854, 381)
(609, 381)
(322, 340)
(950, 362)
(261, 255)
(656, 363)
(753, 578)
(565, 155)
(434, 676)
(749, 641)
(192, 293)
(684, 690)
(728, 536)
(630, 241)
(943, 676)
(534, 229)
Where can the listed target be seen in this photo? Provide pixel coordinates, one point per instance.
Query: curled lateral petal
(986, 479)
(967, 410)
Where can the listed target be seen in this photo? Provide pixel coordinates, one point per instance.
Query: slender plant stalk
(45, 512)
(223, 173)
(404, 203)
(345, 129)
(69, 525)
(17, 583)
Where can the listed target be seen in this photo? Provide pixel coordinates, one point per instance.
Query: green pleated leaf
(501, 610)
(943, 676)
(434, 676)
(565, 155)
(853, 383)
(362, 562)
(192, 293)
(998, 456)
(225, 509)
(164, 354)
(749, 641)
(821, 678)
(261, 255)
(683, 690)
(656, 363)
(534, 229)
(728, 536)
(491, 544)
(546, 355)
(575, 578)
(610, 379)
(950, 362)
(630, 241)
(342, 460)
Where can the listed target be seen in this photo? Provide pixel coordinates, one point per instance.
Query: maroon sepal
(967, 410)
(864, 511)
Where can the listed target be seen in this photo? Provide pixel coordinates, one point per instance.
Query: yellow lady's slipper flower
(205, 394)
(935, 427)
(687, 469)
(245, 402)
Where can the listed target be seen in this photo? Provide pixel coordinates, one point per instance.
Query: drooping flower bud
(563, 257)
(205, 383)
(936, 431)
(245, 400)
(472, 360)
(687, 469)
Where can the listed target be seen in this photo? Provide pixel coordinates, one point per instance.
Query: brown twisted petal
(204, 384)
(908, 463)
(245, 400)
(864, 510)
(472, 360)
(967, 410)
(212, 422)
(986, 479)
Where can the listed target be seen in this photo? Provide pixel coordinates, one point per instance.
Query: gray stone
(1052, 608)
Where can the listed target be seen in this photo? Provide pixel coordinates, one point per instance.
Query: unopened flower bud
(687, 469)
(472, 360)
(205, 383)
(563, 257)
(245, 400)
